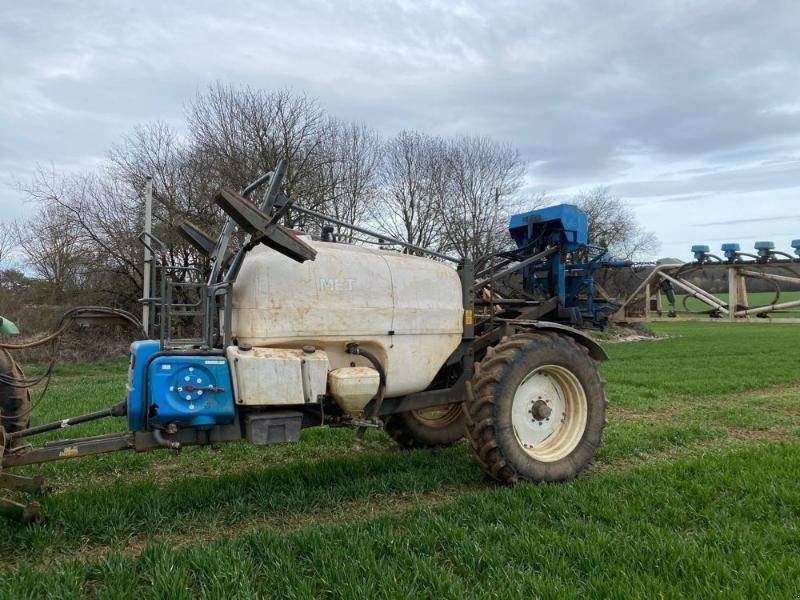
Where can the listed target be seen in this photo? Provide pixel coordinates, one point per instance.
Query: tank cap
(244, 347)
(309, 349)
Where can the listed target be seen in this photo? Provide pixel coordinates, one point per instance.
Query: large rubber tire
(428, 428)
(508, 399)
(14, 402)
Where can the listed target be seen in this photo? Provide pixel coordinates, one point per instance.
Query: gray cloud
(782, 218)
(671, 104)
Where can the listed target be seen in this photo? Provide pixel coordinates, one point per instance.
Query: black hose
(59, 327)
(356, 350)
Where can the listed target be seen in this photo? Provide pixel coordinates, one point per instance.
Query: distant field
(695, 493)
(755, 299)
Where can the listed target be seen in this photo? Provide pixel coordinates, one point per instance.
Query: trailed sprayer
(296, 331)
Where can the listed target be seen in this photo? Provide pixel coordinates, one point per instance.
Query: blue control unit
(184, 389)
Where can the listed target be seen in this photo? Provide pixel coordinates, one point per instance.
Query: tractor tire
(15, 403)
(535, 409)
(427, 428)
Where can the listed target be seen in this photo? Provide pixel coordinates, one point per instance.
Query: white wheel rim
(549, 413)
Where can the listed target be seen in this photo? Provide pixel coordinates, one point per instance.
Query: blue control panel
(188, 390)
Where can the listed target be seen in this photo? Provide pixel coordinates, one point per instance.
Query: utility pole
(148, 255)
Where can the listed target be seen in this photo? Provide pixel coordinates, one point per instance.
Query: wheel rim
(438, 416)
(549, 413)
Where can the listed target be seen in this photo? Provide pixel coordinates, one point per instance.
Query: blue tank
(188, 390)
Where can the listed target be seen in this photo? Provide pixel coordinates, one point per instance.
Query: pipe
(520, 265)
(767, 308)
(118, 410)
(354, 348)
(698, 293)
(771, 277)
(158, 436)
(380, 236)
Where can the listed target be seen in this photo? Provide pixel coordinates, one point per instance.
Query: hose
(354, 348)
(66, 319)
(158, 436)
(59, 328)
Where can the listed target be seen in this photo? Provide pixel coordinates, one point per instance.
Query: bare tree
(441, 194)
(99, 211)
(241, 132)
(479, 180)
(6, 243)
(350, 172)
(52, 247)
(612, 224)
(410, 183)
(183, 187)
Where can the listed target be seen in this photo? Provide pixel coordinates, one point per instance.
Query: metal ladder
(175, 309)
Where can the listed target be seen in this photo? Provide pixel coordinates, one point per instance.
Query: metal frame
(737, 308)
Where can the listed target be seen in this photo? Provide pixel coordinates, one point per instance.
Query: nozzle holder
(731, 250)
(700, 252)
(765, 249)
(796, 246)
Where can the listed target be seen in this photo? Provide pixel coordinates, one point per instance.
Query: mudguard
(595, 350)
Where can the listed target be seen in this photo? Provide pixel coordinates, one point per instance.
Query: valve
(731, 251)
(701, 253)
(764, 250)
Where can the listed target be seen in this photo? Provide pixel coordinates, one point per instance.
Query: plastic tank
(407, 310)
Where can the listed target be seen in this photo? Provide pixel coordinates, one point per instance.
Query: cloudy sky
(688, 110)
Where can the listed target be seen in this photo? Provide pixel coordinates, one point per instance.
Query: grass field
(695, 493)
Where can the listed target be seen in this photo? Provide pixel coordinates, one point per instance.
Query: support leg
(25, 513)
(17, 482)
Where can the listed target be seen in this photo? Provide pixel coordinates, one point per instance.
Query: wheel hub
(549, 413)
(540, 410)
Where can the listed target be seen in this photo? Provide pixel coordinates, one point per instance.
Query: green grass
(694, 493)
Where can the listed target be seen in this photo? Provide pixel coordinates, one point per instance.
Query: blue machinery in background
(565, 275)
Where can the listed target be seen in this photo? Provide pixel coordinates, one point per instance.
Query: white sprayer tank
(406, 310)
